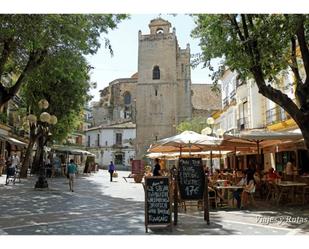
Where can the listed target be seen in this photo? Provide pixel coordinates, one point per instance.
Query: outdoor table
(221, 182)
(284, 185)
(229, 188)
(304, 178)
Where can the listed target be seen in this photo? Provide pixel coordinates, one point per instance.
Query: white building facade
(112, 143)
(243, 107)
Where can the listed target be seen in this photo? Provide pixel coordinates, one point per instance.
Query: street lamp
(209, 131)
(43, 130)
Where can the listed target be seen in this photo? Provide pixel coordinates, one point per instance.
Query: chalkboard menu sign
(138, 167)
(191, 178)
(157, 201)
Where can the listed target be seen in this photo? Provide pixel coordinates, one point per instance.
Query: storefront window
(282, 158)
(118, 159)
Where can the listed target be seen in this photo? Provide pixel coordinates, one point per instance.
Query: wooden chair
(273, 191)
(283, 192)
(213, 198)
(251, 199)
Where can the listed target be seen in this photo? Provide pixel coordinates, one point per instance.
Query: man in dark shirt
(157, 168)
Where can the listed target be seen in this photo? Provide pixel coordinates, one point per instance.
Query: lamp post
(209, 130)
(42, 132)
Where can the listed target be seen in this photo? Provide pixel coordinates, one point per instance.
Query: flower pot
(138, 178)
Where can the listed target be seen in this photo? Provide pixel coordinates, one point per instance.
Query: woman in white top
(249, 189)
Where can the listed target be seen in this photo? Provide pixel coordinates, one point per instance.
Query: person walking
(15, 160)
(157, 168)
(111, 169)
(71, 171)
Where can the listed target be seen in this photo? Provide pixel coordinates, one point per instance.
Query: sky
(124, 41)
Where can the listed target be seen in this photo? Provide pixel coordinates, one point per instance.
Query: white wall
(105, 153)
(228, 84)
(257, 110)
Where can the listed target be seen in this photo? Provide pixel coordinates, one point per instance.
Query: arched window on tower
(127, 105)
(127, 98)
(160, 31)
(156, 73)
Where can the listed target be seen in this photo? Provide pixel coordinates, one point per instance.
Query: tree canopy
(195, 124)
(26, 40)
(62, 80)
(259, 47)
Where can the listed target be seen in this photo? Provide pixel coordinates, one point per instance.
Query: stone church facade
(163, 87)
(160, 95)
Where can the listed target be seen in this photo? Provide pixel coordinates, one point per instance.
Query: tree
(26, 40)
(63, 80)
(195, 124)
(260, 47)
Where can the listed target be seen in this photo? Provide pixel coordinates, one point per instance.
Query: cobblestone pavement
(100, 207)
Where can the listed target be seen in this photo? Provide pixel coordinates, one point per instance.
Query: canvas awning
(71, 150)
(13, 141)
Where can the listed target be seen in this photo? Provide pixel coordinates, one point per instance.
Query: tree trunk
(36, 58)
(26, 161)
(302, 123)
(305, 133)
(38, 158)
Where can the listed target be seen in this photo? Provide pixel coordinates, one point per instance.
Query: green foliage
(270, 34)
(3, 117)
(196, 124)
(26, 40)
(63, 81)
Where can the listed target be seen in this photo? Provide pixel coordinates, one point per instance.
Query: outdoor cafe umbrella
(187, 141)
(175, 155)
(190, 141)
(260, 138)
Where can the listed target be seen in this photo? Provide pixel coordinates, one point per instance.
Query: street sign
(157, 202)
(191, 178)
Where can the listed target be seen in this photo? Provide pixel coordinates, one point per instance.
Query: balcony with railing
(233, 94)
(225, 102)
(243, 123)
(276, 115)
(240, 82)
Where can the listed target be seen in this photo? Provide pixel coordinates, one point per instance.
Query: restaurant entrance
(282, 158)
(303, 159)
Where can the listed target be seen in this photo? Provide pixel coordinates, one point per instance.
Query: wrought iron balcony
(233, 94)
(276, 115)
(225, 102)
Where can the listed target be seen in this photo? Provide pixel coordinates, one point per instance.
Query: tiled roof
(203, 98)
(126, 125)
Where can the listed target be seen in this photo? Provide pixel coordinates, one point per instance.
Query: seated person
(212, 187)
(237, 193)
(272, 175)
(289, 168)
(147, 173)
(216, 175)
(257, 177)
(249, 189)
